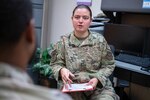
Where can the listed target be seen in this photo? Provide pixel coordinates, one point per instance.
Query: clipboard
(77, 87)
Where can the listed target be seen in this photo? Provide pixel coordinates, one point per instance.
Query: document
(77, 87)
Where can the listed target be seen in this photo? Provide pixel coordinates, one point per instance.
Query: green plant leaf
(43, 66)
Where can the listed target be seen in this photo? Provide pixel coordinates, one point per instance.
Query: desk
(132, 73)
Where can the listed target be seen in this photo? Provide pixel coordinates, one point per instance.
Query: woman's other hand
(66, 76)
(93, 82)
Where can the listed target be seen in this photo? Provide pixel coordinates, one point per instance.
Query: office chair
(121, 84)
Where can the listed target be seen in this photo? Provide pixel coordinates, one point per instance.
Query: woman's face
(81, 20)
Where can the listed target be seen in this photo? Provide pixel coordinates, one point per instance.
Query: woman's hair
(82, 6)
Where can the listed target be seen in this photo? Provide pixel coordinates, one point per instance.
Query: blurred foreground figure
(17, 45)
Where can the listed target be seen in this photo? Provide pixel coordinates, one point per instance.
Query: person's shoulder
(48, 94)
(28, 91)
(52, 94)
(27, 95)
(65, 36)
(59, 95)
(97, 36)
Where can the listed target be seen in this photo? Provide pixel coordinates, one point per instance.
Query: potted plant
(43, 66)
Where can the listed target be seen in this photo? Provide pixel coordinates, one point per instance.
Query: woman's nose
(81, 19)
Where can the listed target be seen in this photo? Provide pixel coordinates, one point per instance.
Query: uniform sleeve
(58, 59)
(107, 64)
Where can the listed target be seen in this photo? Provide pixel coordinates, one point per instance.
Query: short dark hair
(15, 16)
(82, 6)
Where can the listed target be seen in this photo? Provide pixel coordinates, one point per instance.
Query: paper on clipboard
(77, 87)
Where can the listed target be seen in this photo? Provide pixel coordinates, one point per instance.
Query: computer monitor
(136, 6)
(127, 38)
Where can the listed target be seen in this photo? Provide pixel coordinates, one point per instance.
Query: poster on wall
(85, 2)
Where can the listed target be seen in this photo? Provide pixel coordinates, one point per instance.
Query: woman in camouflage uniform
(83, 56)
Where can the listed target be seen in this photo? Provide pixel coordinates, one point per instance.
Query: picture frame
(85, 2)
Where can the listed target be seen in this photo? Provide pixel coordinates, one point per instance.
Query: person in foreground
(83, 56)
(17, 44)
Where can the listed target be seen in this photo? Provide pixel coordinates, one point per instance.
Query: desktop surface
(131, 67)
(143, 62)
(132, 73)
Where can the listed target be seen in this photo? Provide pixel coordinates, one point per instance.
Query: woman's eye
(77, 17)
(83, 17)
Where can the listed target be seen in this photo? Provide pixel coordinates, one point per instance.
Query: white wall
(96, 7)
(59, 18)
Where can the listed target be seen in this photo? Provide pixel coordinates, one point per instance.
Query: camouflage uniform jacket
(16, 85)
(90, 58)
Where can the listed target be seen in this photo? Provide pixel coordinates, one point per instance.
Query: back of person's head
(15, 15)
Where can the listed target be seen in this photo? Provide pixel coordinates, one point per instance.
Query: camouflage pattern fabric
(15, 84)
(86, 59)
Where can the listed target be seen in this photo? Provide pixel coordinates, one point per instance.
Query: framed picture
(146, 4)
(85, 2)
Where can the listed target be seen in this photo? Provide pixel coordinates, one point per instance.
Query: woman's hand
(66, 76)
(93, 82)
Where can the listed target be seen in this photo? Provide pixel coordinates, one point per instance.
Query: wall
(59, 18)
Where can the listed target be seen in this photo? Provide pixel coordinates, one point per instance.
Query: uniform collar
(74, 41)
